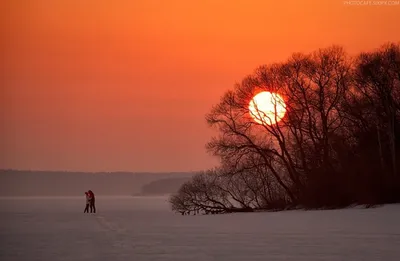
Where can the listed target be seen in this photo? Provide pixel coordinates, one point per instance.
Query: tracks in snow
(114, 233)
(109, 225)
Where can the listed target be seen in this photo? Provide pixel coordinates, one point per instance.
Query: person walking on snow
(87, 203)
(92, 202)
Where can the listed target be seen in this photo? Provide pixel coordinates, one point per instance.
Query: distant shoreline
(80, 197)
(73, 184)
(99, 172)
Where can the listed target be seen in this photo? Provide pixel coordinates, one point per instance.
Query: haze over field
(47, 183)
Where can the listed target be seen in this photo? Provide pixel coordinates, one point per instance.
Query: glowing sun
(267, 108)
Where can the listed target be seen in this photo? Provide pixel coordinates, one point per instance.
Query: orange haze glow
(100, 85)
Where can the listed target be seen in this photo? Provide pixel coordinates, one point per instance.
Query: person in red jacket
(92, 202)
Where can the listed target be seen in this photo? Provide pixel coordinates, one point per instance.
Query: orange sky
(124, 85)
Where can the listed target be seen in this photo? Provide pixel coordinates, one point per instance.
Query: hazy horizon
(111, 171)
(56, 183)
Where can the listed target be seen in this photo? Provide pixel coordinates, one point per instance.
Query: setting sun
(267, 108)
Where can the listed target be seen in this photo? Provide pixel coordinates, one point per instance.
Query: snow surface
(144, 228)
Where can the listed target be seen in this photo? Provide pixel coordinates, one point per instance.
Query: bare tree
(315, 155)
(378, 79)
(205, 193)
(375, 112)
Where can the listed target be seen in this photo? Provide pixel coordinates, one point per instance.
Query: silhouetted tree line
(337, 145)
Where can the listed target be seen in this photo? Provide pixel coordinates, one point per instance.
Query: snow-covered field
(144, 229)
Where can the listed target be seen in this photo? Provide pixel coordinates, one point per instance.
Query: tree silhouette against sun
(267, 108)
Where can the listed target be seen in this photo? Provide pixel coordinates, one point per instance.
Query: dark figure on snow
(92, 202)
(87, 203)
